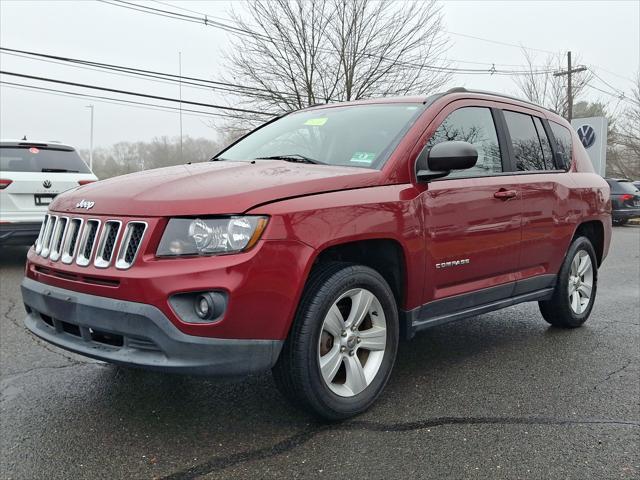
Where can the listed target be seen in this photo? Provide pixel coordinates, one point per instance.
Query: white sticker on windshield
(363, 157)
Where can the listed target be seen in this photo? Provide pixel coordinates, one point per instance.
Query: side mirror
(439, 160)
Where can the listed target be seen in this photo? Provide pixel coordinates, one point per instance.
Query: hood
(210, 188)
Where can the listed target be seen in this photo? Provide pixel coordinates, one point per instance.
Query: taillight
(84, 182)
(5, 183)
(626, 196)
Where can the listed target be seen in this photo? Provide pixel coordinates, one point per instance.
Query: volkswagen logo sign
(587, 135)
(47, 184)
(86, 204)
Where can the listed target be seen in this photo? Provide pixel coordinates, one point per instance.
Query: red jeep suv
(314, 243)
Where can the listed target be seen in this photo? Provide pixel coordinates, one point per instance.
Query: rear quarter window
(563, 141)
(37, 159)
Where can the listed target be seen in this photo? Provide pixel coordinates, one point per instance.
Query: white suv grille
(75, 239)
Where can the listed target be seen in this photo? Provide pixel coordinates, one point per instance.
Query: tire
(322, 334)
(564, 309)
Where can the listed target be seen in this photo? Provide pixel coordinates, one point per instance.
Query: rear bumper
(19, 233)
(625, 213)
(136, 335)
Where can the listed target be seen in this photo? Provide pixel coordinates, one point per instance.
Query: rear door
(472, 217)
(547, 216)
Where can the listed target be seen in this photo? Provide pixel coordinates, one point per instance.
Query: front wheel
(575, 291)
(342, 346)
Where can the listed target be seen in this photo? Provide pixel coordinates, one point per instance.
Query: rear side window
(36, 159)
(563, 141)
(545, 144)
(474, 125)
(526, 143)
(622, 187)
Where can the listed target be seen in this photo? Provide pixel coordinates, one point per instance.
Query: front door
(472, 217)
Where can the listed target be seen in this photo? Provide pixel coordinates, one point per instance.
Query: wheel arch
(594, 231)
(384, 255)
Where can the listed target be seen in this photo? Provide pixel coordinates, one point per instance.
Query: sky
(605, 35)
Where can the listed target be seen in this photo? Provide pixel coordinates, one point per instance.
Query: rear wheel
(342, 346)
(575, 291)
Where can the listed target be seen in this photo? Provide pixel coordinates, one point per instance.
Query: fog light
(204, 306)
(199, 307)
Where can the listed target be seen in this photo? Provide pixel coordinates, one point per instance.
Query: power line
(471, 62)
(137, 94)
(619, 95)
(205, 20)
(142, 72)
(114, 101)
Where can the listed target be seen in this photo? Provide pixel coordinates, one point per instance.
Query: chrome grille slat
(48, 234)
(38, 244)
(130, 244)
(57, 237)
(107, 243)
(87, 242)
(71, 240)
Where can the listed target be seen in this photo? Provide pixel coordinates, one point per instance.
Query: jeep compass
(313, 244)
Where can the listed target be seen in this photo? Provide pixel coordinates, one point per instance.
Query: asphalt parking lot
(498, 396)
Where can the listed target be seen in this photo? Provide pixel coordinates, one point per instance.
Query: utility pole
(180, 93)
(91, 140)
(568, 72)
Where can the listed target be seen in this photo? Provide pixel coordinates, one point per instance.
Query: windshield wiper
(293, 157)
(59, 170)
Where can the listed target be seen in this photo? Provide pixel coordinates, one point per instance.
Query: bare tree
(302, 52)
(539, 85)
(628, 135)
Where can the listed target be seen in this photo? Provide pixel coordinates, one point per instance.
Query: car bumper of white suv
(19, 233)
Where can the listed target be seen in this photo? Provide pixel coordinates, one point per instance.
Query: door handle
(505, 194)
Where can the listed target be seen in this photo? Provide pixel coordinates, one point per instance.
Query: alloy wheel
(580, 282)
(352, 342)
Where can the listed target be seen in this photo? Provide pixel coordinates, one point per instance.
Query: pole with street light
(91, 140)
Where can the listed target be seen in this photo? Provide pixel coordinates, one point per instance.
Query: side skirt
(467, 305)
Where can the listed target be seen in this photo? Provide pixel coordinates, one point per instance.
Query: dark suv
(314, 243)
(625, 200)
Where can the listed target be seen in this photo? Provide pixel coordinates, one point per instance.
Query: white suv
(31, 175)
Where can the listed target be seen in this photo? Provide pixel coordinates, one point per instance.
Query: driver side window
(474, 125)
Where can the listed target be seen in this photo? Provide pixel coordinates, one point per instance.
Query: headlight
(188, 236)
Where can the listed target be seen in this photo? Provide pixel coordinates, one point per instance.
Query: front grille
(56, 238)
(48, 233)
(130, 245)
(38, 244)
(107, 243)
(71, 240)
(83, 241)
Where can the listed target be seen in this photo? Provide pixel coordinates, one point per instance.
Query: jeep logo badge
(86, 204)
(587, 135)
(47, 184)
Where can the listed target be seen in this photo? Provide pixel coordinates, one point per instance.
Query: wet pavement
(502, 395)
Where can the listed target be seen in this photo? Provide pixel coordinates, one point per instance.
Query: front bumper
(136, 334)
(19, 233)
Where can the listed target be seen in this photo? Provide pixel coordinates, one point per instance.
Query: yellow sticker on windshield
(316, 122)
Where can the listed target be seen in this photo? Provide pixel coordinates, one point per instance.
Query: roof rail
(486, 92)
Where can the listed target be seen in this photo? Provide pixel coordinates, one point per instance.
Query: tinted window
(474, 125)
(526, 144)
(545, 143)
(356, 136)
(563, 141)
(622, 187)
(32, 159)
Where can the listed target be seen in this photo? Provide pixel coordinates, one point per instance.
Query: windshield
(354, 135)
(39, 159)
